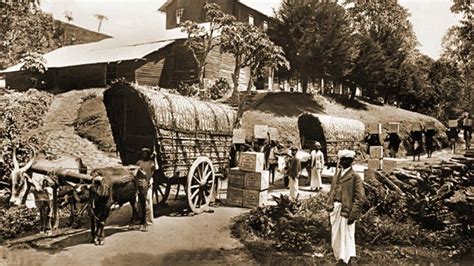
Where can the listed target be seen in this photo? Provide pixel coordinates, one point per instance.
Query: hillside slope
(281, 110)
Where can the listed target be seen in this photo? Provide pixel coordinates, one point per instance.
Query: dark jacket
(294, 168)
(353, 195)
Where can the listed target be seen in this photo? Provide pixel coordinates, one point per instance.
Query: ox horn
(30, 162)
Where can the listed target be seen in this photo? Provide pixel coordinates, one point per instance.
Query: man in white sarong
(346, 198)
(317, 164)
(294, 171)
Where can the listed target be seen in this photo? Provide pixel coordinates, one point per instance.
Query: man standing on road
(346, 198)
(317, 164)
(294, 171)
(147, 166)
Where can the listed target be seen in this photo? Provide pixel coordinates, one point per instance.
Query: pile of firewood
(439, 198)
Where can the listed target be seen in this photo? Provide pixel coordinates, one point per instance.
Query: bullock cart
(190, 138)
(334, 134)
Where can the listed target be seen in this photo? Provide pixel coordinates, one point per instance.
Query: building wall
(76, 77)
(180, 66)
(242, 14)
(18, 80)
(149, 72)
(193, 10)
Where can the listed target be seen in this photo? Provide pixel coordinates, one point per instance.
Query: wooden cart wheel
(161, 190)
(200, 184)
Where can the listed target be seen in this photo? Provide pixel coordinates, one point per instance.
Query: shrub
(17, 220)
(218, 89)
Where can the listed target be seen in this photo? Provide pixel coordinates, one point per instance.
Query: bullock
(23, 180)
(117, 186)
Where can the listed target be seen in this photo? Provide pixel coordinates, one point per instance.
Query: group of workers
(420, 138)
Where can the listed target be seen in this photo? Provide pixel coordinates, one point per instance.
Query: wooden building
(178, 11)
(162, 63)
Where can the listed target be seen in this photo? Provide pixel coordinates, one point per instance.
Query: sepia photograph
(236, 132)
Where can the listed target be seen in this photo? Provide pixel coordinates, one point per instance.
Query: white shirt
(317, 159)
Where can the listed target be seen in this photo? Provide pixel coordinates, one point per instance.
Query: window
(179, 15)
(251, 20)
(265, 25)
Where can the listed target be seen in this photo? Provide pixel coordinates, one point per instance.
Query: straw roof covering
(178, 113)
(183, 128)
(335, 128)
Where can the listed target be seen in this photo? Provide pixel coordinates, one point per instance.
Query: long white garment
(317, 164)
(316, 177)
(149, 205)
(342, 235)
(293, 185)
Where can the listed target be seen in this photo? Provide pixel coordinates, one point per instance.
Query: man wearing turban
(346, 199)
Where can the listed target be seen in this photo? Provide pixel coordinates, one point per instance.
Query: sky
(141, 20)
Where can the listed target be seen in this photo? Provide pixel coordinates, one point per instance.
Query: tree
(251, 48)
(101, 19)
(458, 44)
(386, 24)
(202, 40)
(318, 40)
(25, 28)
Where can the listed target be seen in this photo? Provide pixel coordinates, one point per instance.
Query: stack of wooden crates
(376, 153)
(375, 161)
(248, 184)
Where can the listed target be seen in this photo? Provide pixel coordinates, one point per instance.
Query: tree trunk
(236, 77)
(201, 79)
(353, 92)
(250, 83)
(304, 83)
(322, 86)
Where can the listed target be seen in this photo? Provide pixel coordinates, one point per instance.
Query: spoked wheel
(200, 184)
(161, 189)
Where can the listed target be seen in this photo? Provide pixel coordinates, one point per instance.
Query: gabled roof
(105, 51)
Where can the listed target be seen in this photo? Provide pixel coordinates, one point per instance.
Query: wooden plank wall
(179, 65)
(18, 80)
(77, 77)
(149, 72)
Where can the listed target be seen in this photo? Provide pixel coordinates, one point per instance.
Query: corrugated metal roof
(109, 50)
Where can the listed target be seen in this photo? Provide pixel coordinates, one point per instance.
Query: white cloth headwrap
(346, 154)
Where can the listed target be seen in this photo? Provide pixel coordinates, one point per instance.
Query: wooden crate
(234, 197)
(467, 122)
(257, 180)
(453, 123)
(376, 152)
(274, 134)
(375, 164)
(389, 164)
(238, 136)
(375, 128)
(260, 132)
(236, 178)
(393, 127)
(416, 126)
(430, 125)
(251, 161)
(254, 198)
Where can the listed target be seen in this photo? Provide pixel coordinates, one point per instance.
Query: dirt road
(171, 240)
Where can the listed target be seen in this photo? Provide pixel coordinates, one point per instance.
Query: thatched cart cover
(180, 128)
(334, 133)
